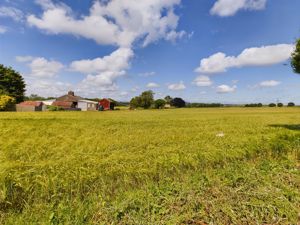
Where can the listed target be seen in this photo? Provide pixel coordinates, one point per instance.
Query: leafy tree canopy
(178, 102)
(11, 83)
(159, 103)
(295, 62)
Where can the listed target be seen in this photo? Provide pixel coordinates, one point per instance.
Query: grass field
(151, 167)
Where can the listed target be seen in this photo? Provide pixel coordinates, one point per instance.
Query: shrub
(159, 104)
(54, 108)
(291, 104)
(279, 105)
(254, 105)
(272, 105)
(7, 103)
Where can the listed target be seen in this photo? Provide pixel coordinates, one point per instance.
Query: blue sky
(228, 51)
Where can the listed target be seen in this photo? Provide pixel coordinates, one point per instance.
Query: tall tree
(12, 83)
(295, 62)
(146, 99)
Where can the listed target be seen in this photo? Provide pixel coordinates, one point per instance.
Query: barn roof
(31, 103)
(70, 97)
(63, 104)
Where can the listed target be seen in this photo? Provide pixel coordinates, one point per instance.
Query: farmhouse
(68, 101)
(30, 106)
(107, 104)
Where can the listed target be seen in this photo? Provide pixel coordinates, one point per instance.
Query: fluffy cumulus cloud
(231, 7)
(103, 72)
(257, 56)
(117, 22)
(269, 83)
(152, 85)
(41, 67)
(223, 89)
(202, 81)
(177, 87)
(12, 13)
(47, 87)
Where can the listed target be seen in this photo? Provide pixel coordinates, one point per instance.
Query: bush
(7, 103)
(178, 102)
(291, 104)
(272, 105)
(54, 108)
(254, 105)
(279, 105)
(159, 104)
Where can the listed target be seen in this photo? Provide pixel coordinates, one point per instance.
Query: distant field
(179, 166)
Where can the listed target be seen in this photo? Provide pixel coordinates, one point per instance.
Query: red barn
(107, 104)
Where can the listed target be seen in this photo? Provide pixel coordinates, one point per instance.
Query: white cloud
(147, 74)
(269, 83)
(177, 87)
(202, 81)
(41, 67)
(230, 7)
(103, 72)
(223, 89)
(3, 29)
(152, 85)
(261, 56)
(12, 13)
(118, 22)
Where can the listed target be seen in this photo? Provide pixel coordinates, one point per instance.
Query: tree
(279, 105)
(34, 97)
(159, 104)
(7, 103)
(272, 105)
(11, 83)
(168, 99)
(135, 102)
(291, 104)
(178, 102)
(146, 99)
(295, 61)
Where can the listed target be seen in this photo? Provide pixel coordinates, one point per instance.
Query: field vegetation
(177, 166)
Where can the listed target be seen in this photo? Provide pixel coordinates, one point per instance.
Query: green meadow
(177, 166)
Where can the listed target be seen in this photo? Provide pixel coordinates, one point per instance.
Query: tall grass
(150, 167)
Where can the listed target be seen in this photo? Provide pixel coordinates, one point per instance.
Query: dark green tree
(146, 99)
(12, 83)
(291, 104)
(159, 103)
(295, 61)
(178, 102)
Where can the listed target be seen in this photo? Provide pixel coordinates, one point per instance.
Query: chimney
(71, 93)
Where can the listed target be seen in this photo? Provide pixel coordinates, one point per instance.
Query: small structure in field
(107, 104)
(68, 101)
(87, 105)
(30, 106)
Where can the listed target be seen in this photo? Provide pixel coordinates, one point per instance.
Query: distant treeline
(204, 105)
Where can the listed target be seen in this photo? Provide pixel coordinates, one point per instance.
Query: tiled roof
(31, 103)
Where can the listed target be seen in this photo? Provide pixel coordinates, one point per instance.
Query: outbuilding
(30, 106)
(107, 104)
(87, 105)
